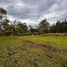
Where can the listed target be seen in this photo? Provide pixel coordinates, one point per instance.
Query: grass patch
(55, 41)
(33, 51)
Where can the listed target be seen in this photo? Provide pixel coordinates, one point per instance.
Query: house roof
(2, 11)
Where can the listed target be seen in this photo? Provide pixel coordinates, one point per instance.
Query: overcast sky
(33, 11)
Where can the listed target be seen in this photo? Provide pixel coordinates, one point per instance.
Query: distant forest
(18, 28)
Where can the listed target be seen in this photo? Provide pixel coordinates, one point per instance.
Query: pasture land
(33, 51)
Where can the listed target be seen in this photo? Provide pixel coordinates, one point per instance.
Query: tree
(44, 26)
(13, 28)
(64, 26)
(21, 28)
(53, 28)
(6, 27)
(58, 27)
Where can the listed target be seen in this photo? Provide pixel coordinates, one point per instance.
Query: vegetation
(28, 51)
(59, 27)
(18, 28)
(44, 27)
(43, 46)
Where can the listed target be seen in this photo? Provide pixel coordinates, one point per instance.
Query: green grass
(55, 41)
(25, 51)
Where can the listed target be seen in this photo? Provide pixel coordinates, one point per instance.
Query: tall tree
(58, 27)
(64, 26)
(6, 27)
(13, 27)
(21, 28)
(53, 28)
(44, 26)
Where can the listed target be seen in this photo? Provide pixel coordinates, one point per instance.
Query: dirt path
(48, 47)
(33, 54)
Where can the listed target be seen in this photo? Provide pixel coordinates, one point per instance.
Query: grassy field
(33, 51)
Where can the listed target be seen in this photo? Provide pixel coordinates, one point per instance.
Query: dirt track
(48, 47)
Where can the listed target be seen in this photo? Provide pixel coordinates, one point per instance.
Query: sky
(33, 11)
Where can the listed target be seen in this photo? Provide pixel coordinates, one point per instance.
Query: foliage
(59, 27)
(6, 27)
(43, 26)
(18, 28)
(16, 51)
(15, 28)
(21, 28)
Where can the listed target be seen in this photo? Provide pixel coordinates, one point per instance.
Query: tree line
(19, 28)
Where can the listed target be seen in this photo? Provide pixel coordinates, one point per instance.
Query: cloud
(33, 11)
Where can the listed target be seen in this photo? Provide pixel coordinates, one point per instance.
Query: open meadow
(33, 51)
